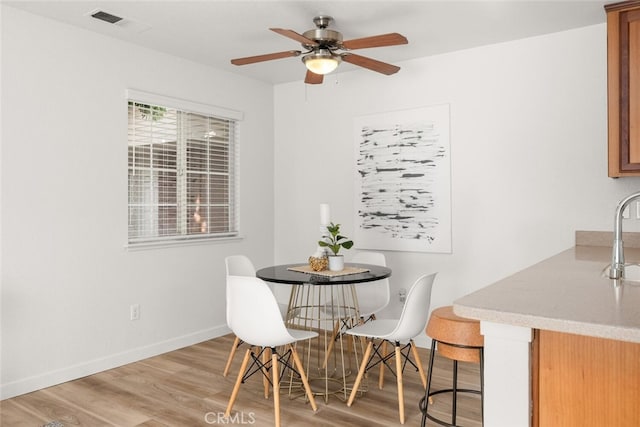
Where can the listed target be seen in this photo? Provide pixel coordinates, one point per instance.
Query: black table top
(281, 274)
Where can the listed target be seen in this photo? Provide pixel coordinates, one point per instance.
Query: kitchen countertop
(564, 293)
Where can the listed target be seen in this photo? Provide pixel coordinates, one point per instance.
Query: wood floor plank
(153, 423)
(100, 398)
(186, 388)
(12, 414)
(50, 408)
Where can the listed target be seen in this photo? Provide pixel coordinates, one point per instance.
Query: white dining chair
(257, 321)
(373, 297)
(241, 265)
(400, 333)
(236, 265)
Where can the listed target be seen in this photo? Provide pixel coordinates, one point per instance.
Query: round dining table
(288, 274)
(326, 302)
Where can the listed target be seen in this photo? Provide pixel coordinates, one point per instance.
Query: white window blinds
(182, 167)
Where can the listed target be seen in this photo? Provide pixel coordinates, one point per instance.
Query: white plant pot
(336, 262)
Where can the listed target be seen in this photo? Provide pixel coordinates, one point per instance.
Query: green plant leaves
(335, 241)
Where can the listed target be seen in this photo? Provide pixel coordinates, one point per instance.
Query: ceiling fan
(325, 49)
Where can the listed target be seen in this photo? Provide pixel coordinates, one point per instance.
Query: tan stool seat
(448, 328)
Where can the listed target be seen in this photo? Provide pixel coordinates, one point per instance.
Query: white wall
(67, 280)
(528, 154)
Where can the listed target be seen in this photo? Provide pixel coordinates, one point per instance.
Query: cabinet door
(623, 28)
(584, 381)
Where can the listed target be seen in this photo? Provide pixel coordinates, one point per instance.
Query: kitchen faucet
(617, 256)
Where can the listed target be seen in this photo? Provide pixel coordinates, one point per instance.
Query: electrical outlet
(134, 311)
(402, 294)
(625, 212)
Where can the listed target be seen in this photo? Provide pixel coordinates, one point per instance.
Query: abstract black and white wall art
(403, 180)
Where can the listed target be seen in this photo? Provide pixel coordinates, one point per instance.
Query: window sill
(166, 244)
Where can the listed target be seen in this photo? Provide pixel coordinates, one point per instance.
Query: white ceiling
(212, 32)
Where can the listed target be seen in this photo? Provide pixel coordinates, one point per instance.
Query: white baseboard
(48, 379)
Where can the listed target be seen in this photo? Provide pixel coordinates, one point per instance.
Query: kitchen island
(559, 316)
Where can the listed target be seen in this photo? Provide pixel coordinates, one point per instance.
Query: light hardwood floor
(186, 388)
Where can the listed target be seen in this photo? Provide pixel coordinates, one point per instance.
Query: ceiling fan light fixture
(321, 62)
(323, 49)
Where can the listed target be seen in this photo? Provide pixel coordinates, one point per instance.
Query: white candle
(325, 215)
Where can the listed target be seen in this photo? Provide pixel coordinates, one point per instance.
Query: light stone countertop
(564, 293)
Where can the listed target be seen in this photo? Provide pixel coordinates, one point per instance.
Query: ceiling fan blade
(391, 39)
(266, 57)
(295, 36)
(371, 64)
(313, 78)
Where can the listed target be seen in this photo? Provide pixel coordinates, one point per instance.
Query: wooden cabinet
(581, 381)
(623, 59)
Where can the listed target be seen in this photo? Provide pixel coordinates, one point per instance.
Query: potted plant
(334, 241)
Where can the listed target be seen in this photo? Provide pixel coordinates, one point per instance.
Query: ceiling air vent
(126, 24)
(105, 16)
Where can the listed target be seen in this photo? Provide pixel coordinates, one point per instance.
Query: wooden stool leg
(363, 366)
(416, 357)
(236, 387)
(236, 344)
(399, 376)
(276, 387)
(303, 377)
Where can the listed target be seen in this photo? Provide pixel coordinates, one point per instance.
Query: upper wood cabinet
(623, 45)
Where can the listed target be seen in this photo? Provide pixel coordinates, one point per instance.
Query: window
(182, 170)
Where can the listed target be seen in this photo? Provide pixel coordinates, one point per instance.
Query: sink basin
(631, 272)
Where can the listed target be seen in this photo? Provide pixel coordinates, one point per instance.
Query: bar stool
(459, 339)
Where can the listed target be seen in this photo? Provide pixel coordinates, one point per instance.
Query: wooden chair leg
(334, 336)
(276, 387)
(236, 387)
(351, 344)
(265, 380)
(236, 343)
(363, 342)
(363, 367)
(303, 377)
(383, 353)
(416, 357)
(399, 376)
